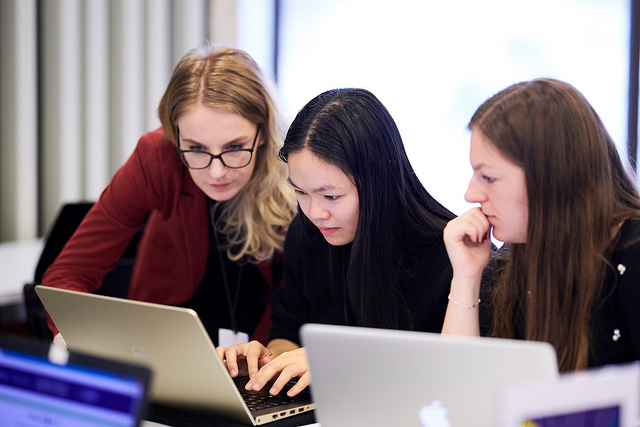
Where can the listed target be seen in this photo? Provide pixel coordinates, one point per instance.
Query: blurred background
(80, 80)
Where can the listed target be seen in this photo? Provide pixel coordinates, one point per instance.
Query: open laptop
(607, 396)
(376, 377)
(188, 374)
(48, 386)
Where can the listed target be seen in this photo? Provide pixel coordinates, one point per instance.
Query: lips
(220, 187)
(487, 215)
(327, 231)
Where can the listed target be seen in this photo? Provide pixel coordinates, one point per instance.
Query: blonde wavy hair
(255, 221)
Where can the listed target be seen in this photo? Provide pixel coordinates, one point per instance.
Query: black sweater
(616, 334)
(616, 324)
(307, 296)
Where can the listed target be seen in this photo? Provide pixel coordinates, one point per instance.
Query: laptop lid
(376, 377)
(188, 373)
(43, 385)
(600, 397)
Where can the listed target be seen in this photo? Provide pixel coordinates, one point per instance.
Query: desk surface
(146, 423)
(18, 261)
(160, 415)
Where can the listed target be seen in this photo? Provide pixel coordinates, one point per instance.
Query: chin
(508, 239)
(222, 196)
(338, 241)
(498, 236)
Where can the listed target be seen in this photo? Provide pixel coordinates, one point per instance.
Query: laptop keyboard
(258, 400)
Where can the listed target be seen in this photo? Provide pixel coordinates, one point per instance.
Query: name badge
(227, 338)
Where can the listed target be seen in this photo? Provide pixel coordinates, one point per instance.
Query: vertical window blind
(80, 83)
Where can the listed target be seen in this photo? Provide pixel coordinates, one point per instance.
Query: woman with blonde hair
(551, 185)
(215, 195)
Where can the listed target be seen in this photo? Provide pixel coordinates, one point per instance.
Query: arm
(108, 227)
(469, 248)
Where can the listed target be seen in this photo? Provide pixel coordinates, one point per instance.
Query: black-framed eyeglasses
(233, 159)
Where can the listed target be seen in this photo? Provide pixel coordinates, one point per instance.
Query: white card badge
(227, 338)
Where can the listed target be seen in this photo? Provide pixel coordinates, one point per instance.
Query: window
(433, 63)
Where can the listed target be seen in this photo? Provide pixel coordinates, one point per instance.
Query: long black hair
(352, 129)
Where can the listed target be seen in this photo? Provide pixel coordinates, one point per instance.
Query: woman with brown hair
(216, 198)
(551, 185)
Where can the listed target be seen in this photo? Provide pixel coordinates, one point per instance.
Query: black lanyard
(231, 304)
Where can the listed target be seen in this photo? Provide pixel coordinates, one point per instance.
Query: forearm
(462, 317)
(279, 346)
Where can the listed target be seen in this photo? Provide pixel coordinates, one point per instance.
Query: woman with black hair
(366, 248)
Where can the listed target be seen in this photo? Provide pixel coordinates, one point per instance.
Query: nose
(317, 211)
(217, 169)
(474, 193)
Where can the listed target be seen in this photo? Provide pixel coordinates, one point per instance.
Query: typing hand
(288, 365)
(245, 359)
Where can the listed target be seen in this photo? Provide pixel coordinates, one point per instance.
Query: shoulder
(628, 236)
(153, 177)
(428, 255)
(294, 232)
(626, 252)
(156, 160)
(624, 263)
(302, 238)
(154, 145)
(154, 155)
(300, 229)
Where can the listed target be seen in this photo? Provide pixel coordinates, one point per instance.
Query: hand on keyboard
(245, 359)
(287, 366)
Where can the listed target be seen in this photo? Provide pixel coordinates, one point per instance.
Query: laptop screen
(607, 396)
(83, 391)
(601, 417)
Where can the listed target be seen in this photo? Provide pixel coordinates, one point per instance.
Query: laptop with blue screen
(42, 385)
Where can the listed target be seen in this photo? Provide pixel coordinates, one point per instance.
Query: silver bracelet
(466, 307)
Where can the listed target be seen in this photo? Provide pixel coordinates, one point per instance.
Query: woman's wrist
(462, 311)
(466, 307)
(465, 290)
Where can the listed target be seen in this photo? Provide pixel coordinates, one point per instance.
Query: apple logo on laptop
(434, 415)
(141, 355)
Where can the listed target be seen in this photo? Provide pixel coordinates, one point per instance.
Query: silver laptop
(188, 374)
(376, 377)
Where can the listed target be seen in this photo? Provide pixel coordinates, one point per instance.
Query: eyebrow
(238, 140)
(482, 165)
(321, 189)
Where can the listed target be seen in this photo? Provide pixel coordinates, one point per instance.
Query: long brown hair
(578, 191)
(256, 220)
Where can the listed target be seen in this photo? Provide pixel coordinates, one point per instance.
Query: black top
(210, 299)
(616, 332)
(308, 297)
(616, 324)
